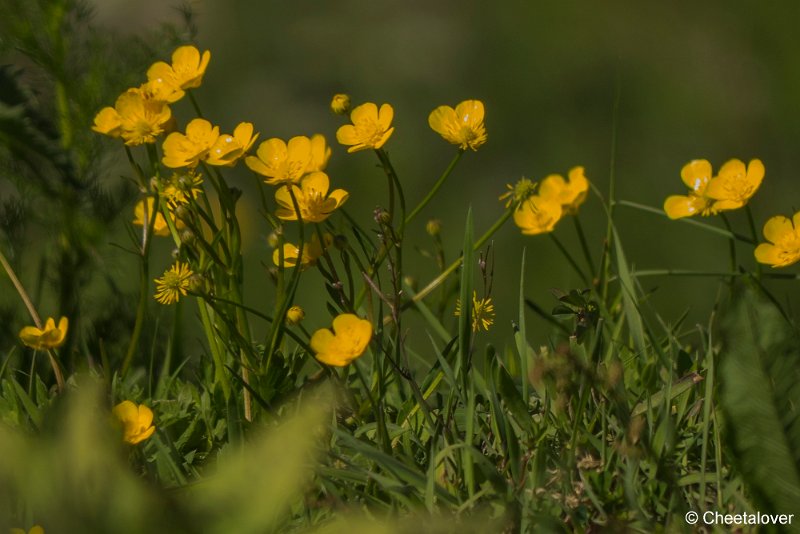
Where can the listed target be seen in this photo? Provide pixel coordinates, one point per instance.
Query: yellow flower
(137, 421)
(462, 126)
(174, 283)
(696, 175)
(294, 315)
(783, 235)
(187, 150)
(370, 128)
(347, 342)
(538, 215)
(134, 118)
(35, 529)
(313, 199)
(281, 162)
(312, 251)
(482, 312)
(320, 153)
(49, 337)
(340, 104)
(160, 226)
(180, 188)
(161, 90)
(229, 148)
(186, 71)
(735, 184)
(570, 194)
(518, 192)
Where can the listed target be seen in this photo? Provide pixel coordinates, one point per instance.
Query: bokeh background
(713, 80)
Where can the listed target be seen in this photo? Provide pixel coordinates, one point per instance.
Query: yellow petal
(733, 168)
(777, 227)
(346, 135)
(440, 119)
(755, 173)
(385, 116)
(340, 196)
(552, 187)
(678, 206)
(696, 174)
(321, 340)
(364, 112)
(767, 254)
(126, 411)
(145, 416)
(470, 112)
(316, 182)
(384, 138)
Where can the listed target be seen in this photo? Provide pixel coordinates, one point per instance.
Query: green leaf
(760, 394)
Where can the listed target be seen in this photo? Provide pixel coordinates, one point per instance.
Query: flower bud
(433, 227)
(340, 104)
(294, 315)
(272, 239)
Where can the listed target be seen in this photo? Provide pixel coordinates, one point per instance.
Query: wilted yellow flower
(313, 199)
(174, 283)
(294, 315)
(538, 215)
(696, 175)
(783, 235)
(187, 150)
(462, 126)
(482, 312)
(570, 194)
(312, 251)
(137, 421)
(181, 187)
(371, 128)
(229, 148)
(49, 337)
(735, 184)
(134, 118)
(340, 104)
(35, 529)
(186, 71)
(348, 341)
(320, 153)
(281, 162)
(518, 192)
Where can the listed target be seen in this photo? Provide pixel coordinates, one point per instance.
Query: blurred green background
(715, 80)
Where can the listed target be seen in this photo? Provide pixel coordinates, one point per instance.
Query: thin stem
(424, 202)
(731, 242)
(753, 232)
(569, 258)
(193, 100)
(584, 244)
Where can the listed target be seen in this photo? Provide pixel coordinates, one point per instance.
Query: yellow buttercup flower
(482, 312)
(340, 104)
(134, 118)
(348, 341)
(174, 283)
(519, 192)
(320, 153)
(462, 126)
(282, 162)
(570, 194)
(538, 215)
(48, 337)
(229, 148)
(735, 184)
(696, 175)
(313, 199)
(187, 150)
(137, 421)
(371, 127)
(295, 315)
(312, 251)
(186, 71)
(783, 235)
(35, 529)
(161, 90)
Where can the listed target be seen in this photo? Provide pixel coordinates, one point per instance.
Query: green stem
(731, 242)
(569, 258)
(193, 100)
(424, 202)
(584, 244)
(453, 266)
(752, 223)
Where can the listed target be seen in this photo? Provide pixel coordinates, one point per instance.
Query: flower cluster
(538, 210)
(708, 194)
(141, 114)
